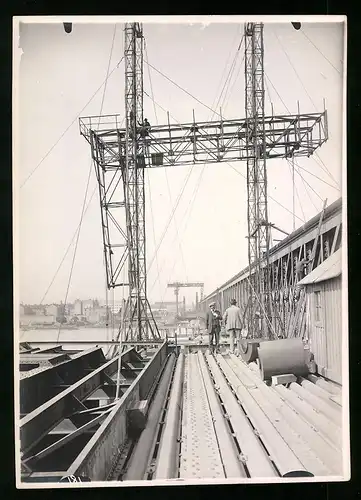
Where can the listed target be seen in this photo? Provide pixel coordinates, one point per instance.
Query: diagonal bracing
(122, 154)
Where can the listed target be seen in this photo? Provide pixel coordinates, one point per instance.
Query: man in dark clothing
(213, 325)
(145, 128)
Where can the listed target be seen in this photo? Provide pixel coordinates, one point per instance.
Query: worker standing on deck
(233, 320)
(213, 325)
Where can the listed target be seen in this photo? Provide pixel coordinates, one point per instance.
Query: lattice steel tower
(139, 323)
(258, 226)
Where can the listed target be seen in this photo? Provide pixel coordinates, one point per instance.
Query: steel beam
(39, 386)
(332, 413)
(43, 477)
(253, 453)
(262, 395)
(318, 391)
(68, 438)
(141, 456)
(213, 141)
(232, 462)
(318, 453)
(96, 459)
(42, 358)
(281, 454)
(36, 424)
(327, 385)
(97, 343)
(137, 415)
(167, 464)
(203, 347)
(326, 427)
(200, 457)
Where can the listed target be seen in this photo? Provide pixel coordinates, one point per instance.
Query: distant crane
(177, 285)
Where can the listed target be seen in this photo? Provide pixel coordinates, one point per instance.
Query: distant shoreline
(63, 327)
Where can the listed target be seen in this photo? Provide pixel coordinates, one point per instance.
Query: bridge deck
(217, 417)
(274, 430)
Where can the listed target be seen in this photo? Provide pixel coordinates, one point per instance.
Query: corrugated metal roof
(330, 268)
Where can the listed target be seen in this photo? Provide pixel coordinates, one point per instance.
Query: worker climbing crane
(126, 152)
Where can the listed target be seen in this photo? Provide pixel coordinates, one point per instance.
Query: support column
(258, 226)
(139, 323)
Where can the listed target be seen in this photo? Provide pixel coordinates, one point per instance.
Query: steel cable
(191, 170)
(202, 171)
(320, 51)
(71, 124)
(87, 187)
(166, 176)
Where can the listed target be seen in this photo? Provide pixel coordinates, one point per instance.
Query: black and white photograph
(180, 250)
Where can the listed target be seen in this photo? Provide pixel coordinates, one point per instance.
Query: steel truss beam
(101, 453)
(211, 142)
(190, 143)
(112, 200)
(36, 424)
(38, 386)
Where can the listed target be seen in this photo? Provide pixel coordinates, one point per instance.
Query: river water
(89, 334)
(85, 334)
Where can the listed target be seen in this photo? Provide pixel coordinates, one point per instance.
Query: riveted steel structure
(139, 322)
(128, 173)
(258, 226)
(123, 153)
(286, 263)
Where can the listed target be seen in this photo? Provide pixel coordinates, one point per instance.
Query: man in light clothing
(233, 320)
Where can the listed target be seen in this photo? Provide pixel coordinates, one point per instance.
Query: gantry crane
(177, 285)
(121, 154)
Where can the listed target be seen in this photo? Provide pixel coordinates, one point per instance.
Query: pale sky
(206, 241)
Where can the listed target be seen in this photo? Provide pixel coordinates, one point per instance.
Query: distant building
(160, 314)
(97, 315)
(114, 307)
(39, 310)
(169, 306)
(62, 309)
(69, 310)
(78, 308)
(51, 310)
(28, 310)
(22, 310)
(87, 307)
(88, 304)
